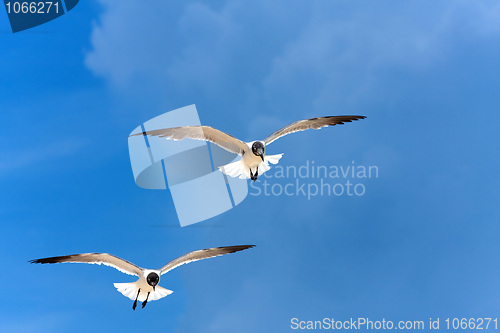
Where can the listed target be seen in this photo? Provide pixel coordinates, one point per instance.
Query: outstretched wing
(206, 133)
(107, 259)
(314, 123)
(202, 254)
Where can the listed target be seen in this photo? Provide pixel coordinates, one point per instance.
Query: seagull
(254, 160)
(146, 288)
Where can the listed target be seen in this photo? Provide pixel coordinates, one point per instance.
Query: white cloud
(45, 322)
(126, 45)
(280, 56)
(25, 157)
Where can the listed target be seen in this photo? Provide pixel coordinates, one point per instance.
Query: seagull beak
(154, 288)
(262, 156)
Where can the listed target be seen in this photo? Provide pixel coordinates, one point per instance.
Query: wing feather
(107, 259)
(313, 123)
(205, 133)
(202, 254)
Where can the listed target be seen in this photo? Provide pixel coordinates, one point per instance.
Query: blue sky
(422, 241)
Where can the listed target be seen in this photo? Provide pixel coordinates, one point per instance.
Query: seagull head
(259, 149)
(153, 279)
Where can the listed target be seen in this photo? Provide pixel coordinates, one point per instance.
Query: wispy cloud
(42, 322)
(17, 159)
(316, 47)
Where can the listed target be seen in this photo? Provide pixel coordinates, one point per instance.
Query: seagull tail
(131, 289)
(273, 159)
(127, 289)
(236, 169)
(264, 166)
(239, 169)
(159, 293)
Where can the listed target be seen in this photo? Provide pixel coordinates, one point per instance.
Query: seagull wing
(202, 254)
(123, 266)
(206, 133)
(314, 123)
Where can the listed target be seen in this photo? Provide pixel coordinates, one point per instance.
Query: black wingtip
(246, 246)
(348, 119)
(237, 248)
(136, 134)
(53, 260)
(351, 118)
(41, 261)
(233, 248)
(341, 120)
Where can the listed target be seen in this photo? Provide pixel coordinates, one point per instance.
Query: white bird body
(249, 163)
(140, 288)
(254, 161)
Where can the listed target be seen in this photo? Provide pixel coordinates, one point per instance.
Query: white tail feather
(264, 166)
(127, 289)
(236, 169)
(159, 293)
(130, 290)
(239, 169)
(273, 159)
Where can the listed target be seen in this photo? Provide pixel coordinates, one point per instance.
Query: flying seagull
(146, 288)
(254, 160)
